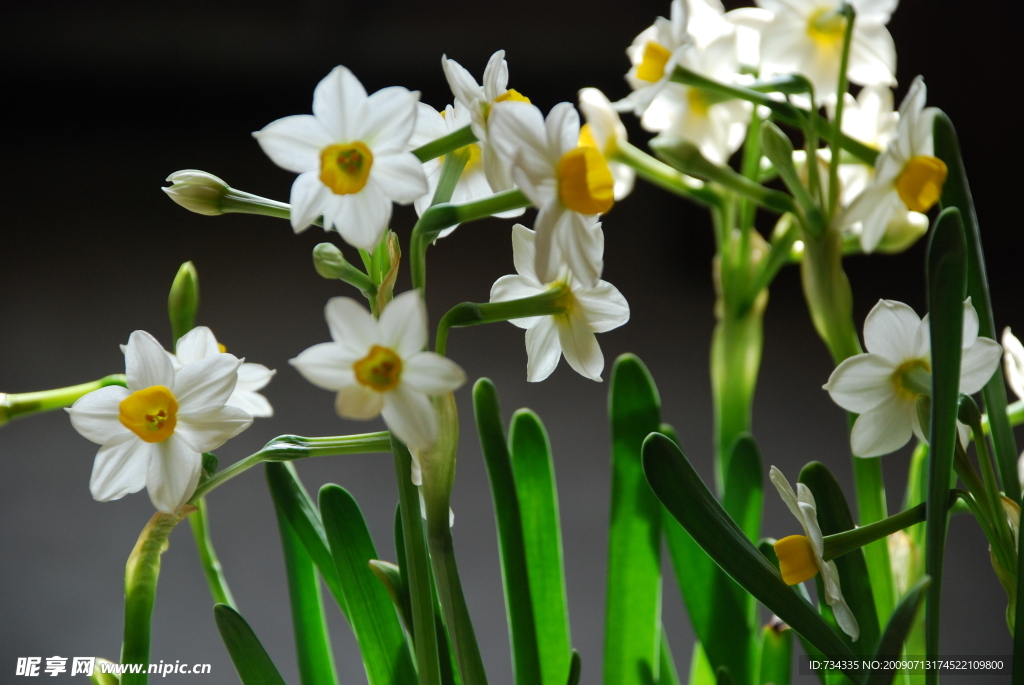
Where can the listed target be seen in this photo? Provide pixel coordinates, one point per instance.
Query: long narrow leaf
(247, 654)
(834, 517)
(542, 534)
(896, 632)
(371, 613)
(511, 543)
(312, 642)
(633, 605)
(744, 486)
(701, 672)
(957, 193)
(686, 496)
(947, 285)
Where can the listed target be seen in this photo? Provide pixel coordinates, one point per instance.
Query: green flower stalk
(17, 405)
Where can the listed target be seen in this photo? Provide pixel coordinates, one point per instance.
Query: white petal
(252, 377)
(464, 86)
(551, 219)
(862, 382)
(579, 346)
(543, 349)
(146, 363)
(524, 252)
(517, 132)
(352, 326)
(874, 208)
(252, 403)
(309, 198)
(339, 103)
(602, 307)
(971, 325)
(872, 55)
(403, 324)
(411, 417)
(978, 364)
(362, 217)
(95, 415)
(120, 468)
(173, 474)
(844, 616)
(498, 174)
(295, 143)
(327, 365)
(197, 344)
(581, 243)
(884, 429)
(208, 429)
(400, 176)
(357, 401)
(562, 128)
(206, 383)
(431, 373)
(785, 491)
(390, 118)
(890, 329)
(1014, 362)
(516, 288)
(495, 81)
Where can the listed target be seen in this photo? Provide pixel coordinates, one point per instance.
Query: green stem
(13, 406)
(441, 216)
(969, 411)
(783, 237)
(445, 144)
(200, 523)
(656, 172)
(549, 303)
(837, 125)
(140, 578)
(291, 447)
(871, 507)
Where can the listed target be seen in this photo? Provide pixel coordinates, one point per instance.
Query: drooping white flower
(472, 184)
(588, 310)
(604, 130)
(1013, 362)
(379, 366)
(200, 343)
(479, 100)
(908, 177)
(569, 183)
(806, 37)
(153, 432)
(352, 156)
(801, 557)
(883, 384)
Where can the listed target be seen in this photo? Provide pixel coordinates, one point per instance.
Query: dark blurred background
(104, 99)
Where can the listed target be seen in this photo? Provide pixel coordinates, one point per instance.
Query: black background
(103, 100)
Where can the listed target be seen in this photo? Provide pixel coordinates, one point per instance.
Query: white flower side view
(200, 343)
(479, 100)
(588, 311)
(153, 432)
(1013, 363)
(352, 157)
(908, 177)
(883, 384)
(654, 55)
(806, 37)
(570, 184)
(801, 556)
(379, 367)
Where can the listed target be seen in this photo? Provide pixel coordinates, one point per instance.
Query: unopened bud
(183, 301)
(197, 191)
(329, 262)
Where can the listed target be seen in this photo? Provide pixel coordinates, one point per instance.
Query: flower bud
(183, 301)
(197, 191)
(329, 262)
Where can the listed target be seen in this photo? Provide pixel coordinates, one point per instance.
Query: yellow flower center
(652, 66)
(150, 413)
(796, 559)
(585, 182)
(221, 347)
(512, 95)
(826, 27)
(698, 101)
(345, 168)
(920, 183)
(912, 378)
(380, 370)
(587, 138)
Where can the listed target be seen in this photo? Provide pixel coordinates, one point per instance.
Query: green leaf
(390, 576)
(701, 672)
(542, 535)
(291, 499)
(896, 632)
(744, 486)
(312, 641)
(834, 517)
(575, 668)
(686, 496)
(947, 284)
(776, 655)
(633, 604)
(251, 661)
(382, 643)
(511, 543)
(957, 193)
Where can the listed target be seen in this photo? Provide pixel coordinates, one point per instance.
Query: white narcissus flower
(883, 384)
(153, 432)
(200, 343)
(480, 100)
(352, 156)
(589, 310)
(604, 130)
(1013, 363)
(380, 367)
(908, 177)
(569, 183)
(806, 37)
(472, 184)
(654, 55)
(801, 556)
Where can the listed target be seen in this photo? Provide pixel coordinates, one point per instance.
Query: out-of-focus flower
(200, 343)
(352, 156)
(588, 310)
